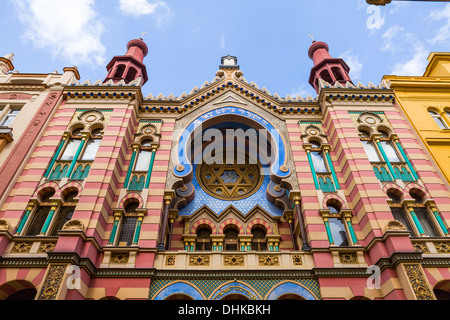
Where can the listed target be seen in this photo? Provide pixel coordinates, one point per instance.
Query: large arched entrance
(290, 297)
(235, 297)
(178, 297)
(18, 290)
(442, 290)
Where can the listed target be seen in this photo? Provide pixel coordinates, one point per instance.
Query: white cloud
(138, 8)
(402, 44)
(389, 37)
(70, 30)
(443, 35)
(222, 42)
(414, 66)
(353, 62)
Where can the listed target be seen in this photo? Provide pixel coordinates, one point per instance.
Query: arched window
(40, 214)
(231, 238)
(92, 146)
(72, 146)
(128, 226)
(337, 227)
(318, 160)
(65, 213)
(131, 75)
(371, 151)
(119, 71)
(325, 75)
(145, 154)
(422, 214)
(390, 151)
(259, 239)
(337, 74)
(203, 239)
(398, 211)
(438, 119)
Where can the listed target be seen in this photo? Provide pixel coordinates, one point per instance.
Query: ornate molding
(442, 247)
(119, 257)
(47, 247)
(199, 260)
(348, 257)
(22, 247)
(53, 282)
(74, 225)
(420, 247)
(170, 260)
(15, 96)
(297, 260)
(233, 260)
(268, 260)
(418, 282)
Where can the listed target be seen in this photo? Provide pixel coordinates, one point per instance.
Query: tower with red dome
(130, 66)
(325, 67)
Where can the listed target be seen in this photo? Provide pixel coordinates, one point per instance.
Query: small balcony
(226, 260)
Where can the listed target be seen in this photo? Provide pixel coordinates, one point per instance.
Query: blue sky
(187, 38)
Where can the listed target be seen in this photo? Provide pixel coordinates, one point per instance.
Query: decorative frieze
(421, 247)
(52, 282)
(199, 260)
(22, 247)
(348, 257)
(47, 247)
(170, 260)
(233, 260)
(418, 282)
(297, 260)
(442, 247)
(119, 257)
(268, 260)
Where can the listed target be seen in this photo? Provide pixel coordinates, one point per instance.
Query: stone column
(55, 205)
(168, 196)
(31, 205)
(347, 216)
(296, 198)
(135, 147)
(117, 216)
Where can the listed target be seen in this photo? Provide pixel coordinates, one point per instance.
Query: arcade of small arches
(21, 289)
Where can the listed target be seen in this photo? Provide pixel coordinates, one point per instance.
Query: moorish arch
(171, 291)
(235, 290)
(200, 176)
(290, 290)
(279, 167)
(441, 290)
(18, 290)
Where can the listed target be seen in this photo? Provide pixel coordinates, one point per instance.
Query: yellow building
(425, 101)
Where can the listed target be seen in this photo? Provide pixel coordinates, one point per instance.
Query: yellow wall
(417, 95)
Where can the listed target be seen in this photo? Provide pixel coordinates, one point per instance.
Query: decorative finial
(312, 36)
(143, 34)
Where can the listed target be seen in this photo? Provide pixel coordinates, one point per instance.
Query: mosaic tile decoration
(218, 205)
(262, 287)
